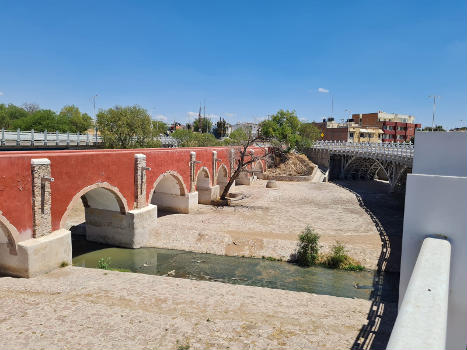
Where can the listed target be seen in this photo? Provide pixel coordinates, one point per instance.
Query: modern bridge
(347, 160)
(121, 190)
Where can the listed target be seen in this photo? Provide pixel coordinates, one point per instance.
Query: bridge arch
(168, 191)
(222, 177)
(363, 167)
(9, 235)
(100, 195)
(203, 179)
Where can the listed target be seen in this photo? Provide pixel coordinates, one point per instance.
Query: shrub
(308, 249)
(338, 259)
(103, 263)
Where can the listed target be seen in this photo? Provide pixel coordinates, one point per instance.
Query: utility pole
(434, 111)
(94, 104)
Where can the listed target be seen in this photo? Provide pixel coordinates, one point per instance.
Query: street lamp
(434, 111)
(348, 126)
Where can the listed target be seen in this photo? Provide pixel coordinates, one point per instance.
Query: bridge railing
(423, 315)
(33, 138)
(401, 150)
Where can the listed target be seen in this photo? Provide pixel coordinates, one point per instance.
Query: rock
(271, 184)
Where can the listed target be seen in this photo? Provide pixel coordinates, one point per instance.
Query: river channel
(227, 269)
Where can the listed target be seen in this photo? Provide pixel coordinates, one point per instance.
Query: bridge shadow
(387, 212)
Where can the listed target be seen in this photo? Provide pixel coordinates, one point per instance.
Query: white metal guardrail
(422, 319)
(32, 138)
(382, 150)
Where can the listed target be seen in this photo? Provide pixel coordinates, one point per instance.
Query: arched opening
(91, 216)
(258, 169)
(222, 178)
(169, 193)
(206, 192)
(8, 237)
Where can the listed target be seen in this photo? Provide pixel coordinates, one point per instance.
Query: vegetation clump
(308, 253)
(308, 249)
(338, 259)
(104, 263)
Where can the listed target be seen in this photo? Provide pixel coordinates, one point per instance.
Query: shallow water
(234, 270)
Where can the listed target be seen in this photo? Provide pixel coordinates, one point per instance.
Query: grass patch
(104, 263)
(64, 264)
(120, 269)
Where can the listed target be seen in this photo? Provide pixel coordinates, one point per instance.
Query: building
(370, 127)
(246, 126)
(395, 127)
(348, 131)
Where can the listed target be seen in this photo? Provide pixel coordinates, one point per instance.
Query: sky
(243, 59)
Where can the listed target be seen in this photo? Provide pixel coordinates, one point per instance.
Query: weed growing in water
(104, 263)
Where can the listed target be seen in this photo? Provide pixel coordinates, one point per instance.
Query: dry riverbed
(78, 308)
(267, 222)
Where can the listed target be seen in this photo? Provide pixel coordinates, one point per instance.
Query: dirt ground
(79, 308)
(267, 222)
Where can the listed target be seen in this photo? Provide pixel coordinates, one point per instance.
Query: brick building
(395, 127)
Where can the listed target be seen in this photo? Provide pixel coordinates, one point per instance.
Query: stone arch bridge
(346, 160)
(121, 191)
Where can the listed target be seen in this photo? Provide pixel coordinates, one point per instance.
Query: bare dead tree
(245, 158)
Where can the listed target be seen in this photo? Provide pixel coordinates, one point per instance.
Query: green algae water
(233, 270)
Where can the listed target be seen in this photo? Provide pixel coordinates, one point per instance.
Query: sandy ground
(78, 308)
(268, 221)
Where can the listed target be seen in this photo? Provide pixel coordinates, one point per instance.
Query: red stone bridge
(121, 191)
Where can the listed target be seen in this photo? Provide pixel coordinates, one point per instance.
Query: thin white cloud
(1, 93)
(161, 117)
(325, 91)
(260, 119)
(191, 114)
(230, 115)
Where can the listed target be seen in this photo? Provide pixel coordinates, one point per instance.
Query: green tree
(10, 113)
(159, 127)
(188, 138)
(126, 127)
(43, 119)
(237, 137)
(436, 128)
(309, 133)
(74, 119)
(221, 128)
(202, 125)
(283, 127)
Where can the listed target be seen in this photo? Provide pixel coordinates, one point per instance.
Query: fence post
(3, 137)
(32, 137)
(77, 141)
(45, 137)
(87, 139)
(57, 141)
(67, 138)
(18, 137)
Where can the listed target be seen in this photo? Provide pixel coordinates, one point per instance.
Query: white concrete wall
(436, 203)
(174, 203)
(440, 153)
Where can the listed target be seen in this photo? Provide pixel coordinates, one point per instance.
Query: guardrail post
(3, 137)
(87, 139)
(67, 138)
(32, 137)
(45, 137)
(57, 141)
(18, 137)
(77, 141)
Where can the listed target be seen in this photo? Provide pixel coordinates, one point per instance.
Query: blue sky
(245, 59)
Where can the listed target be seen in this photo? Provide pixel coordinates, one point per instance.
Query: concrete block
(208, 194)
(176, 203)
(37, 256)
(244, 179)
(130, 230)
